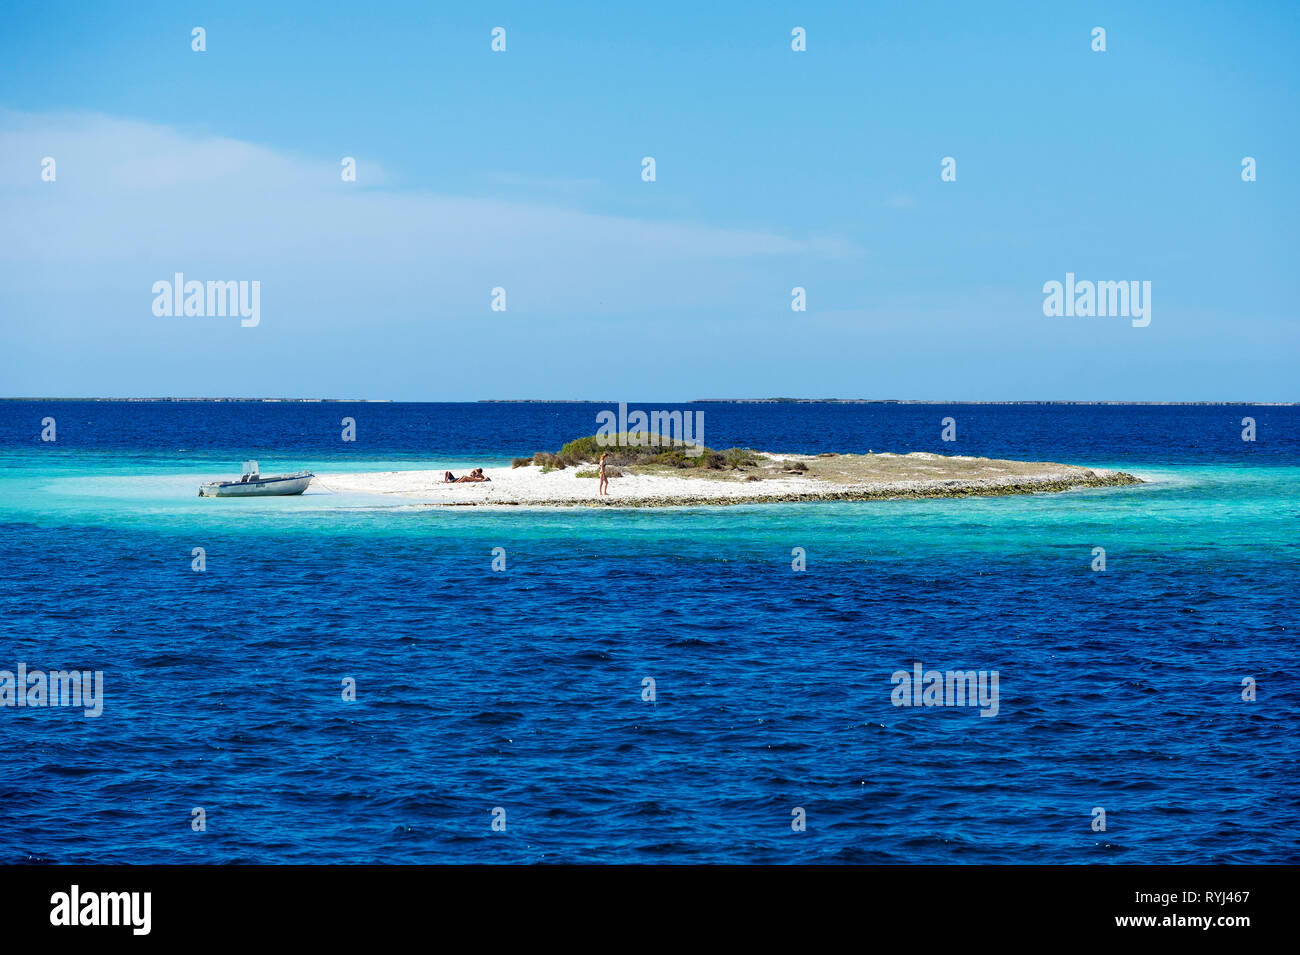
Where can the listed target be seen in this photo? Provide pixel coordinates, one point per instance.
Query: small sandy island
(763, 477)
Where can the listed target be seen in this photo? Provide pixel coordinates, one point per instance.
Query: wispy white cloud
(366, 288)
(141, 194)
(96, 152)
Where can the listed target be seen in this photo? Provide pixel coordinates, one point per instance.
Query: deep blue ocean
(522, 689)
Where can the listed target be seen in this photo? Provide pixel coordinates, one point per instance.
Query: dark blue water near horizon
(522, 689)
(1145, 433)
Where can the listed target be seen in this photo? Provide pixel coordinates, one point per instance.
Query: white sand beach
(778, 479)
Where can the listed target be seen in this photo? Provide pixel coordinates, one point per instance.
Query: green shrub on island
(736, 458)
(635, 448)
(521, 462)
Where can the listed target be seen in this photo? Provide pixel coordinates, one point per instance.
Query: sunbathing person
(472, 478)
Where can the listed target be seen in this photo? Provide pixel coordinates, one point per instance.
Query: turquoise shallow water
(522, 689)
(1182, 507)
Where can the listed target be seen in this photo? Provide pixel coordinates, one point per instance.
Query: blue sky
(775, 169)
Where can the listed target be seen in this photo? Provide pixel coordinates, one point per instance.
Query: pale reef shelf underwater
(522, 689)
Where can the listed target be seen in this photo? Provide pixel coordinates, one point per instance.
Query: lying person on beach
(473, 476)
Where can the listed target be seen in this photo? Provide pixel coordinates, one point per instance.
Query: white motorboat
(253, 484)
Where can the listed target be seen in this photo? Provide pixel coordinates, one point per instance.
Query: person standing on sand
(604, 480)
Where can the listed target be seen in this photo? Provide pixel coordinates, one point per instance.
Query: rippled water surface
(522, 689)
